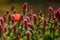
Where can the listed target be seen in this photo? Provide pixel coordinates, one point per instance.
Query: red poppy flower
(15, 17)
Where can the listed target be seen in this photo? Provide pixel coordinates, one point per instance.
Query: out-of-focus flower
(4, 17)
(18, 36)
(25, 21)
(30, 25)
(5, 29)
(14, 28)
(15, 17)
(30, 12)
(58, 12)
(4, 38)
(2, 21)
(50, 9)
(28, 18)
(41, 13)
(25, 5)
(35, 17)
(28, 35)
(1, 29)
(45, 20)
(56, 21)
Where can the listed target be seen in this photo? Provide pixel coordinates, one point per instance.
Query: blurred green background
(35, 5)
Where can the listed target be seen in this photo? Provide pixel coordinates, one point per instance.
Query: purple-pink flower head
(56, 21)
(30, 12)
(35, 16)
(45, 20)
(50, 9)
(58, 12)
(28, 18)
(14, 28)
(25, 5)
(28, 34)
(4, 17)
(25, 21)
(2, 20)
(30, 25)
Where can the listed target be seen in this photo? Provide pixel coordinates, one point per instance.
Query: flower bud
(28, 18)
(25, 5)
(50, 9)
(45, 20)
(2, 21)
(35, 17)
(25, 21)
(56, 21)
(14, 28)
(30, 26)
(58, 13)
(14, 11)
(4, 17)
(28, 35)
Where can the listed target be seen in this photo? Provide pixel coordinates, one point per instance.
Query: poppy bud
(14, 29)
(35, 17)
(25, 6)
(30, 26)
(28, 35)
(50, 9)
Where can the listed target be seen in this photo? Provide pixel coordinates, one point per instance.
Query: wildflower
(50, 9)
(14, 28)
(30, 25)
(35, 17)
(15, 17)
(28, 18)
(25, 5)
(28, 35)
(25, 21)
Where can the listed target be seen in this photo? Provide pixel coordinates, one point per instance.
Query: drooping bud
(28, 35)
(50, 9)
